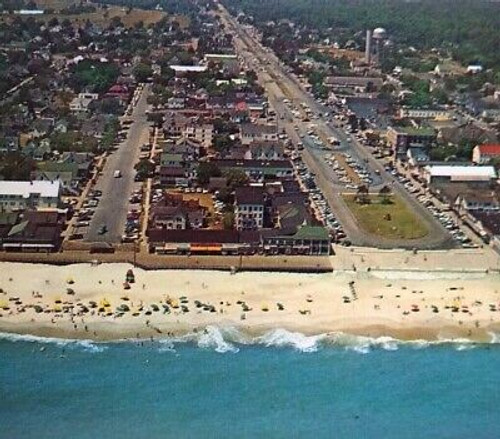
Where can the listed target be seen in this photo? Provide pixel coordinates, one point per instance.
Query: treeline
(174, 7)
(468, 28)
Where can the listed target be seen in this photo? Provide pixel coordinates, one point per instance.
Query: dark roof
(170, 171)
(203, 236)
(254, 129)
(249, 195)
(193, 236)
(489, 220)
(229, 163)
(353, 81)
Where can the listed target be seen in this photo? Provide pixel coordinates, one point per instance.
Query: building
(249, 208)
(359, 84)
(459, 174)
(80, 104)
(34, 232)
(29, 195)
(258, 170)
(483, 154)
(308, 240)
(401, 138)
(181, 70)
(177, 124)
(250, 133)
(415, 113)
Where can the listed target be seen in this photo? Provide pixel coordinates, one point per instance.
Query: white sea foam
(212, 338)
(296, 340)
(226, 339)
(87, 345)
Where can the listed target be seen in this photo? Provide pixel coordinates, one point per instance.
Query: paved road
(113, 207)
(273, 76)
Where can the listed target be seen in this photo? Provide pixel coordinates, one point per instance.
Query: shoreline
(173, 303)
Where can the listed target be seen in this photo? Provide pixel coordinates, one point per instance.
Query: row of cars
(85, 214)
(132, 223)
(318, 201)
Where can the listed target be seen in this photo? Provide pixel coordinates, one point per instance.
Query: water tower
(379, 36)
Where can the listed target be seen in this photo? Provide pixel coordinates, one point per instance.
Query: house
(9, 144)
(177, 124)
(201, 132)
(174, 176)
(41, 127)
(265, 150)
(401, 138)
(22, 195)
(258, 133)
(120, 92)
(80, 103)
(178, 217)
(417, 156)
(483, 154)
(249, 208)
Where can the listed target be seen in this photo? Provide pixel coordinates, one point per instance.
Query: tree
(385, 193)
(222, 144)
(362, 195)
(145, 168)
(228, 220)
(206, 170)
(16, 166)
(142, 72)
(235, 178)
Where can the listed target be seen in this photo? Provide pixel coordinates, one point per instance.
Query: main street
(280, 84)
(113, 206)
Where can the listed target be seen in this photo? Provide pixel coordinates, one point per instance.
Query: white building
(452, 174)
(82, 101)
(250, 133)
(21, 195)
(414, 113)
(249, 208)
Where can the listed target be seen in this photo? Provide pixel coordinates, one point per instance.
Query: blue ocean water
(284, 386)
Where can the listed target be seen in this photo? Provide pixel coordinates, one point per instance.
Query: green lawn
(393, 220)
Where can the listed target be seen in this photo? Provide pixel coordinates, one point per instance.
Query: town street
(113, 207)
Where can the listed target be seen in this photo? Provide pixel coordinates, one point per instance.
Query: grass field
(103, 17)
(395, 220)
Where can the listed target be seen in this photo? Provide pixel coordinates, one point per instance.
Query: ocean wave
(227, 339)
(86, 345)
(297, 340)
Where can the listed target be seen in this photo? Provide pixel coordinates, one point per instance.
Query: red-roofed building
(483, 154)
(119, 91)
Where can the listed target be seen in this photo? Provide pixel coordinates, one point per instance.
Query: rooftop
(26, 188)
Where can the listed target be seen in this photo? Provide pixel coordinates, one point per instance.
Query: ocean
(220, 384)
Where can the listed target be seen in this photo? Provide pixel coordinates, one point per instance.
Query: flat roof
(466, 171)
(196, 69)
(26, 188)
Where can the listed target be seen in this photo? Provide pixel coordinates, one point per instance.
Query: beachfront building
(29, 195)
(249, 208)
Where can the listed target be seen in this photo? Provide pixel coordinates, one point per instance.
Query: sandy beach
(93, 302)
